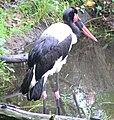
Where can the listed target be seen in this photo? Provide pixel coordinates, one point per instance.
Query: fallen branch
(11, 112)
(14, 58)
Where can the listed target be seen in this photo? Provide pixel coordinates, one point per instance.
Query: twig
(14, 58)
(12, 112)
(93, 19)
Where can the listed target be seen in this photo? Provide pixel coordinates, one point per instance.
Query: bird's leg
(57, 95)
(44, 95)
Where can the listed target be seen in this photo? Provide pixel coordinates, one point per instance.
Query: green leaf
(2, 41)
(3, 51)
(112, 0)
(10, 69)
(1, 10)
(99, 7)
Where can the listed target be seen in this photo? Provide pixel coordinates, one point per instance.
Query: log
(11, 112)
(14, 58)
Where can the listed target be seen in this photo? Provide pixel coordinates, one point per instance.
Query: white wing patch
(56, 68)
(33, 82)
(59, 31)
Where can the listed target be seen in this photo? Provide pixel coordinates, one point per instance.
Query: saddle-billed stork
(49, 53)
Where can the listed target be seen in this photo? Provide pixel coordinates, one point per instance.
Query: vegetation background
(19, 17)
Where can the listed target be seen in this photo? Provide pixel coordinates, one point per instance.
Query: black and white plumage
(50, 52)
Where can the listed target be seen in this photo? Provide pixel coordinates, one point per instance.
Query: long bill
(88, 33)
(83, 28)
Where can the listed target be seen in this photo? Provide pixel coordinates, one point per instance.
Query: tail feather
(36, 91)
(26, 82)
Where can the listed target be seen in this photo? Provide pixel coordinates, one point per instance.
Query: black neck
(75, 30)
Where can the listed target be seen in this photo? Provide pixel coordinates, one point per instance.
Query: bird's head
(71, 18)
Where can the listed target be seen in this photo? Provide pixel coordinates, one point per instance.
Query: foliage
(99, 7)
(23, 15)
(105, 101)
(2, 49)
(5, 72)
(104, 7)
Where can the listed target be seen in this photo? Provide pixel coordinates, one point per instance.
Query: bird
(49, 53)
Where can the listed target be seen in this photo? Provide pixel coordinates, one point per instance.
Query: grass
(24, 15)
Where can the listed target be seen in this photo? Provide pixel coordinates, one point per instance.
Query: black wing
(41, 47)
(46, 53)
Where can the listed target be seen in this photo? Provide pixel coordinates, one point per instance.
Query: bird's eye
(71, 14)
